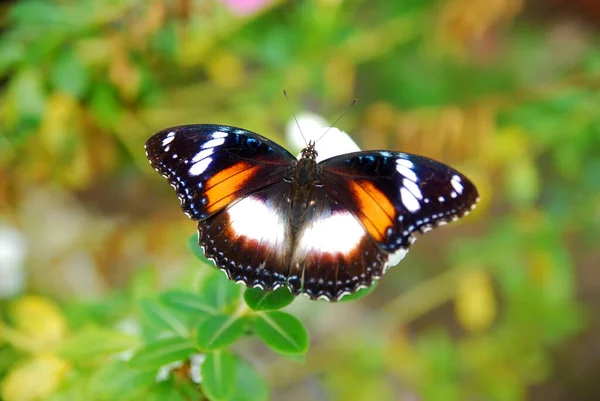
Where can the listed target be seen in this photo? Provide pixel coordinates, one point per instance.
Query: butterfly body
(324, 229)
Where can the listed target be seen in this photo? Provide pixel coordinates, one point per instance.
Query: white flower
(196, 361)
(195, 374)
(334, 143)
(13, 250)
(165, 371)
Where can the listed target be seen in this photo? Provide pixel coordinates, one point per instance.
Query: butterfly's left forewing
(395, 194)
(211, 166)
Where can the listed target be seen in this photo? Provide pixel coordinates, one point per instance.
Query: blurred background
(504, 305)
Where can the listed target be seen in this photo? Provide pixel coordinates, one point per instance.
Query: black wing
(394, 194)
(211, 166)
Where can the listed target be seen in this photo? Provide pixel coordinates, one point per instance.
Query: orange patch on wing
(222, 187)
(227, 173)
(221, 203)
(377, 212)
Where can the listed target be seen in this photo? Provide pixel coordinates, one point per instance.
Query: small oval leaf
(219, 291)
(162, 352)
(162, 317)
(219, 375)
(166, 391)
(219, 331)
(259, 300)
(188, 303)
(93, 342)
(249, 385)
(282, 332)
(117, 381)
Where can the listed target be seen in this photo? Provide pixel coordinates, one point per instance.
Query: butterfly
(323, 229)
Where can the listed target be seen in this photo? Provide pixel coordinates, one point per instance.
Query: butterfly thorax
(305, 179)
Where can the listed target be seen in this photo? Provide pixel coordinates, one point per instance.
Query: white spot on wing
(169, 138)
(408, 199)
(202, 154)
(404, 167)
(413, 188)
(455, 181)
(252, 218)
(405, 162)
(213, 142)
(200, 167)
(337, 233)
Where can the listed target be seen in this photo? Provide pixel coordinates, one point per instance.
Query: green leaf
(282, 332)
(69, 74)
(219, 331)
(259, 300)
(11, 52)
(522, 182)
(188, 303)
(28, 93)
(249, 385)
(166, 40)
(220, 292)
(96, 342)
(219, 375)
(144, 283)
(359, 294)
(117, 381)
(161, 317)
(106, 105)
(36, 13)
(166, 391)
(161, 352)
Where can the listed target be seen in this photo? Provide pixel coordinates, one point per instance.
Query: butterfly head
(309, 152)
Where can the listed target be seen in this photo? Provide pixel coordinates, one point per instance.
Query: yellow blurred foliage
(402, 358)
(34, 379)
(510, 143)
(522, 181)
(540, 266)
(59, 124)
(380, 116)
(446, 133)
(148, 23)
(94, 51)
(226, 70)
(40, 321)
(194, 43)
(340, 75)
(122, 72)
(475, 304)
(79, 172)
(463, 21)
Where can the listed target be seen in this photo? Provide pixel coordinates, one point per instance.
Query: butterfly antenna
(293, 115)
(338, 119)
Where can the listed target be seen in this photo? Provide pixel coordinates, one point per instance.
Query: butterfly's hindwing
(333, 255)
(250, 239)
(211, 166)
(394, 194)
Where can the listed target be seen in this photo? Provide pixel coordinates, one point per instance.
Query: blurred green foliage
(504, 92)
